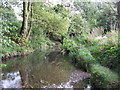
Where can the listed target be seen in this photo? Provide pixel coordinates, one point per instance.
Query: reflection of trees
(24, 73)
(36, 71)
(53, 55)
(43, 74)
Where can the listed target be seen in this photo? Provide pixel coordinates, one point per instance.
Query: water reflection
(40, 69)
(11, 80)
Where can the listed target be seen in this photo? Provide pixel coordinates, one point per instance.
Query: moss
(86, 56)
(103, 77)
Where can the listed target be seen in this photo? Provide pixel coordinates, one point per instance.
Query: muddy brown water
(43, 69)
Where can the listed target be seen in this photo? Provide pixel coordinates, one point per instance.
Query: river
(43, 69)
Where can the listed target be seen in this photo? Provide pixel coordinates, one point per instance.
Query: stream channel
(43, 69)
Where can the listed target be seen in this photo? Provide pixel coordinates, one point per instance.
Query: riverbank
(25, 52)
(5, 58)
(102, 76)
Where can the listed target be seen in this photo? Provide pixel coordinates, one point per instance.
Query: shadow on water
(42, 69)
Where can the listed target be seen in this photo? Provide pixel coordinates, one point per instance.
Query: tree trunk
(118, 11)
(26, 11)
(30, 23)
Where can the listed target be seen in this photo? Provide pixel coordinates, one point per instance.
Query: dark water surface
(43, 69)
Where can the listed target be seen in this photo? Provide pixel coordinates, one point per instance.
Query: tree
(54, 21)
(98, 14)
(26, 12)
(118, 11)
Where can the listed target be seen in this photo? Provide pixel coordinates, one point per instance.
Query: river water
(43, 69)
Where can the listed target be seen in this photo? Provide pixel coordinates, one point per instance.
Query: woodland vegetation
(88, 33)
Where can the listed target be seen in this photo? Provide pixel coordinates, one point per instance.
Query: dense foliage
(98, 14)
(90, 37)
